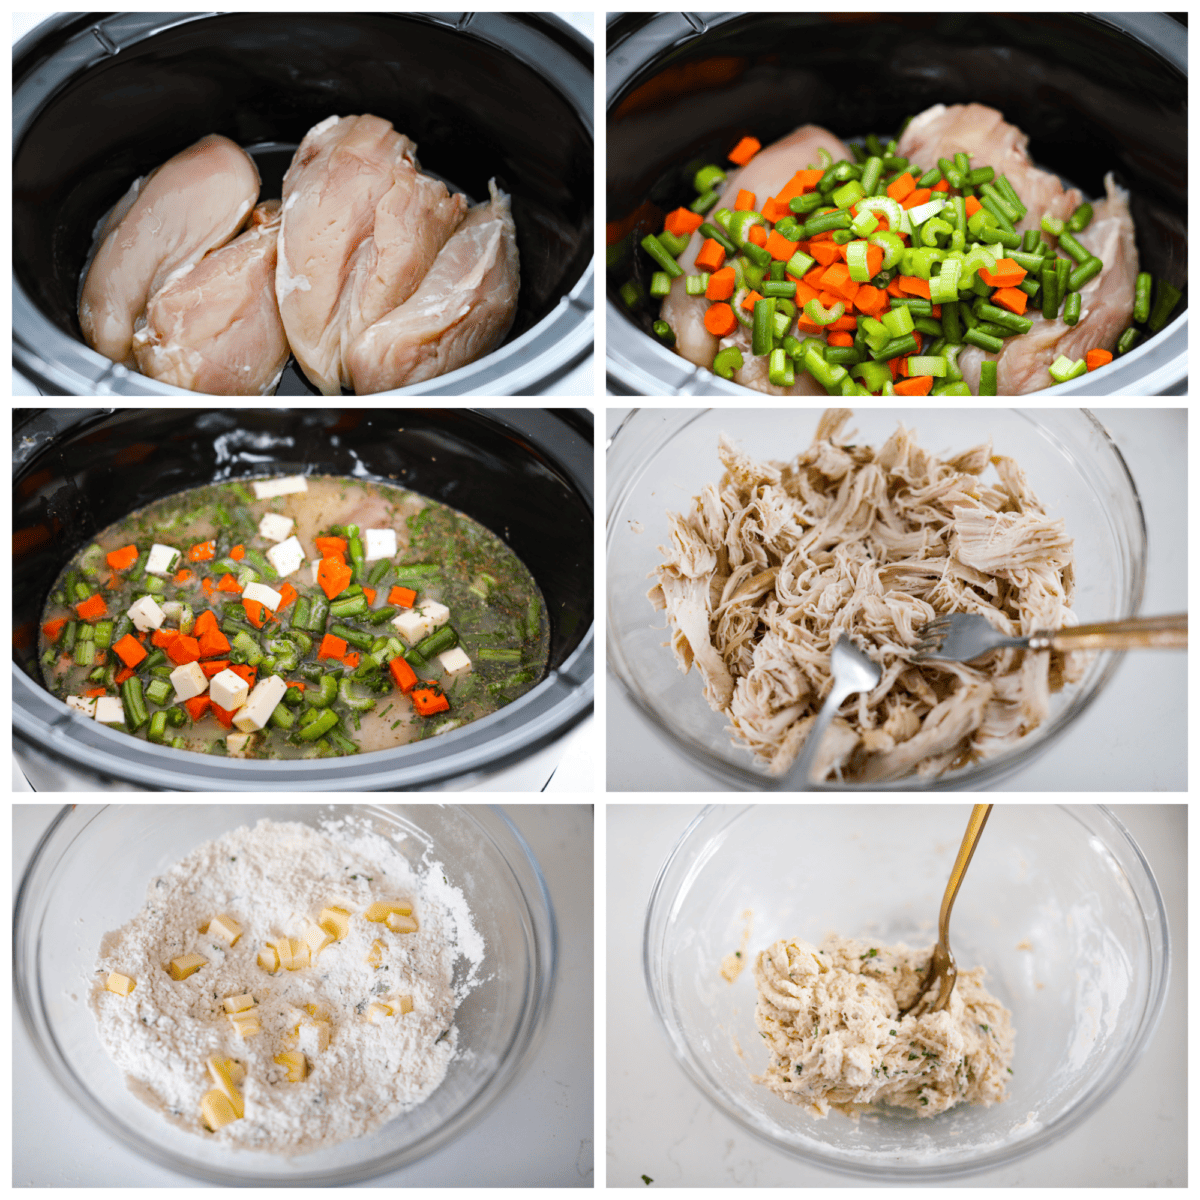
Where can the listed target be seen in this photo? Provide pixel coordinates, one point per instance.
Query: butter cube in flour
(121, 984)
(335, 922)
(226, 928)
(217, 1110)
(297, 1065)
(185, 965)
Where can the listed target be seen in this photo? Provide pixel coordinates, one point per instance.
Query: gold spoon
(942, 968)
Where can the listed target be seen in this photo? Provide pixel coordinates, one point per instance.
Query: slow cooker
(99, 100)
(1094, 92)
(526, 474)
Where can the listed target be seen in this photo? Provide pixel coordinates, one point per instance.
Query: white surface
(539, 1133)
(1132, 738)
(660, 1125)
(579, 380)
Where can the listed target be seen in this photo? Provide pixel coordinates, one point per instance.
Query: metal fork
(961, 637)
(853, 672)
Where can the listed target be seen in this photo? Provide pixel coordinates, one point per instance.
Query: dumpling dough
(830, 1018)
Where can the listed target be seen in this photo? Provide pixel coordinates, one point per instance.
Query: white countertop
(540, 1133)
(1134, 735)
(660, 1125)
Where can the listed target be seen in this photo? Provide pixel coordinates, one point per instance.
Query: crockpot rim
(58, 364)
(637, 365)
(548, 712)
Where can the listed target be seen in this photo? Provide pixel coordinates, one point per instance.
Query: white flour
(269, 879)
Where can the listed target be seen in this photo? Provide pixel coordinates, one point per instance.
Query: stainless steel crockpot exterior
(99, 99)
(1128, 113)
(525, 472)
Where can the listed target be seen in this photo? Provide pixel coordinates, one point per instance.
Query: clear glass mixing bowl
(660, 458)
(88, 876)
(1059, 905)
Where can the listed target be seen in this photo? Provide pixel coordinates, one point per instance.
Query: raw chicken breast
(361, 227)
(988, 140)
(193, 203)
(214, 327)
(1107, 307)
(766, 174)
(461, 311)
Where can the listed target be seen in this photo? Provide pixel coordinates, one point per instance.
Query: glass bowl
(88, 876)
(660, 458)
(1059, 905)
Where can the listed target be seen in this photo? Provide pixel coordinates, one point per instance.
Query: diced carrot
(163, 637)
(842, 324)
(900, 189)
(870, 300)
(682, 222)
(215, 667)
(238, 552)
(757, 234)
(130, 651)
(93, 608)
(332, 647)
(721, 285)
(719, 320)
(1011, 298)
(297, 683)
(813, 277)
(829, 299)
(288, 593)
(123, 674)
(936, 314)
(182, 575)
(916, 197)
(229, 584)
(774, 211)
(840, 338)
(403, 675)
(912, 285)
(248, 673)
(893, 288)
(941, 186)
(197, 706)
(804, 293)
(334, 577)
(254, 612)
(750, 299)
(207, 586)
(53, 629)
(114, 582)
(826, 253)
(744, 202)
(711, 256)
(874, 260)
(745, 150)
(352, 659)
(184, 649)
(804, 325)
(370, 594)
(837, 280)
(1007, 274)
(96, 691)
(224, 715)
(801, 182)
(206, 622)
(779, 248)
(332, 547)
(202, 552)
(211, 642)
(427, 702)
(1098, 358)
(972, 206)
(404, 597)
(919, 385)
(120, 559)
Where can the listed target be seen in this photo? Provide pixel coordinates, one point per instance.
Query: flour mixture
(830, 1018)
(285, 989)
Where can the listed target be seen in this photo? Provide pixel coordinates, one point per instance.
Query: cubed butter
(382, 909)
(301, 957)
(180, 615)
(121, 984)
(316, 938)
(110, 710)
(228, 690)
(146, 614)
(379, 543)
(247, 1024)
(286, 557)
(284, 948)
(398, 923)
(405, 1004)
(417, 623)
(375, 954)
(162, 559)
(216, 1109)
(283, 485)
(260, 703)
(268, 959)
(237, 744)
(263, 594)
(296, 1064)
(275, 527)
(188, 681)
(455, 661)
(218, 1068)
(226, 928)
(185, 965)
(237, 1004)
(378, 1012)
(335, 922)
(85, 704)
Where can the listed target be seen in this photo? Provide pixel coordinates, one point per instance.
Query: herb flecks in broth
(290, 618)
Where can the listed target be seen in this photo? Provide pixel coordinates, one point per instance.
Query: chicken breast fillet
(361, 227)
(462, 310)
(766, 174)
(215, 327)
(166, 222)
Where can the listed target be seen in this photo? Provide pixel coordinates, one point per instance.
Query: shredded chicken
(778, 559)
